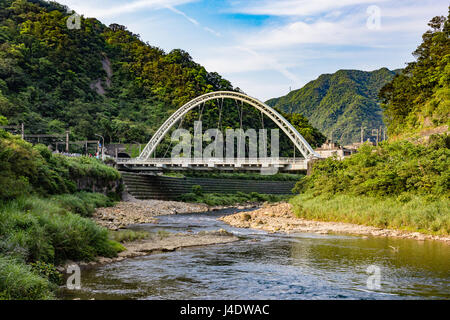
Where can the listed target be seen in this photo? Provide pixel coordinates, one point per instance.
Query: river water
(273, 266)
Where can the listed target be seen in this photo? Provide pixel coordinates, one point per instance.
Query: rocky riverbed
(142, 211)
(127, 213)
(166, 242)
(280, 218)
(137, 212)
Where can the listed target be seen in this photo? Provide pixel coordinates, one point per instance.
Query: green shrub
(47, 270)
(83, 203)
(197, 190)
(19, 282)
(389, 169)
(25, 169)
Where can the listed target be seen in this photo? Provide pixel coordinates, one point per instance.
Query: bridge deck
(235, 164)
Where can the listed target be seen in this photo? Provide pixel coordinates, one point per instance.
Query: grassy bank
(418, 213)
(397, 185)
(47, 231)
(43, 218)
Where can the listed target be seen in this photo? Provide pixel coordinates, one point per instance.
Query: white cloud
(397, 24)
(241, 59)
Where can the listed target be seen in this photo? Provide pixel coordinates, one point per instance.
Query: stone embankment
(280, 218)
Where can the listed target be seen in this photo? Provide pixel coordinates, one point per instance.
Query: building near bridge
(330, 149)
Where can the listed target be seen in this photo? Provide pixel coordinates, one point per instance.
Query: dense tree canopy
(419, 97)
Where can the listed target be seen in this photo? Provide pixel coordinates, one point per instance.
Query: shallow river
(274, 266)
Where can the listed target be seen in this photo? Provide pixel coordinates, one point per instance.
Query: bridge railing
(203, 161)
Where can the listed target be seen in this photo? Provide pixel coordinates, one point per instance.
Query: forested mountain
(418, 99)
(101, 80)
(339, 104)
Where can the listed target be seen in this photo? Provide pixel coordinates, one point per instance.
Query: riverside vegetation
(395, 185)
(43, 219)
(401, 183)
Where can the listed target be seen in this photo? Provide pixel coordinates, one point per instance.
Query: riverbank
(162, 242)
(124, 214)
(281, 218)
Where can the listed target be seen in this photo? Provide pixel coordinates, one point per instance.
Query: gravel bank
(126, 213)
(142, 211)
(167, 243)
(280, 218)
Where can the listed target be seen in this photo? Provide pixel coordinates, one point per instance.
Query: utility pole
(362, 134)
(67, 141)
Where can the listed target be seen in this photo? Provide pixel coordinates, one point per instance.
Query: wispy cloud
(192, 20)
(296, 7)
(103, 9)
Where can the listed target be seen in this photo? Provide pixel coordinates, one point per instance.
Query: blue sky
(266, 47)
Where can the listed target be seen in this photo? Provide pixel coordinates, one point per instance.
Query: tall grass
(413, 213)
(44, 230)
(47, 231)
(83, 203)
(18, 281)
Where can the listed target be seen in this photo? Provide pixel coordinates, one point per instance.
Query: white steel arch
(300, 143)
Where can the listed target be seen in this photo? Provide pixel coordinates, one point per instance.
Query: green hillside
(417, 101)
(101, 80)
(340, 103)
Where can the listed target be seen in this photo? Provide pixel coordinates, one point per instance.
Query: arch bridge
(145, 161)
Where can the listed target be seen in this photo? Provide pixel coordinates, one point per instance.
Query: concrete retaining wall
(168, 188)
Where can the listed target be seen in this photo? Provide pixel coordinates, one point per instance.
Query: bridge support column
(309, 166)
